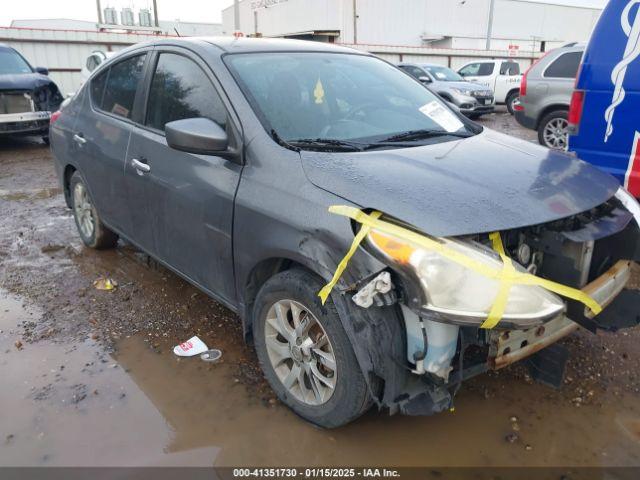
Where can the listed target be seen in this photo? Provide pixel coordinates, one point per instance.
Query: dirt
(90, 379)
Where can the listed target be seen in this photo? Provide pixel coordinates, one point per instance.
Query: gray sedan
(472, 99)
(221, 159)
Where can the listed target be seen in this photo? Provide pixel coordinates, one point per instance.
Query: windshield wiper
(422, 134)
(328, 144)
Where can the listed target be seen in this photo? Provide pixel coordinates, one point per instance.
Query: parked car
(603, 118)
(27, 96)
(545, 94)
(93, 61)
(472, 99)
(501, 76)
(221, 157)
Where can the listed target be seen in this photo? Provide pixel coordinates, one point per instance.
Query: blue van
(604, 116)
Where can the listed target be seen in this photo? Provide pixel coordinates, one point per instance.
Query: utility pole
(236, 15)
(99, 12)
(155, 13)
(355, 22)
(492, 4)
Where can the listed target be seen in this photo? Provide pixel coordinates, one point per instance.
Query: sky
(185, 10)
(208, 11)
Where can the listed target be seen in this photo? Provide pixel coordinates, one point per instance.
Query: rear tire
(288, 316)
(93, 232)
(512, 98)
(553, 130)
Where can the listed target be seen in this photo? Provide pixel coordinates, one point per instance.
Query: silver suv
(545, 94)
(472, 99)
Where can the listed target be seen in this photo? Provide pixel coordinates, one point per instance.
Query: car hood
(23, 81)
(485, 183)
(462, 85)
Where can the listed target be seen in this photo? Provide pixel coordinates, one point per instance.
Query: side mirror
(197, 135)
(424, 79)
(42, 70)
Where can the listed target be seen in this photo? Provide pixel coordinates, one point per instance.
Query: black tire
(45, 139)
(556, 115)
(511, 98)
(101, 237)
(474, 116)
(351, 397)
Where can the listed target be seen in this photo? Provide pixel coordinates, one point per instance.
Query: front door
(188, 198)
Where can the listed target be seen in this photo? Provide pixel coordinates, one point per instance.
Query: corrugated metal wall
(408, 22)
(64, 52)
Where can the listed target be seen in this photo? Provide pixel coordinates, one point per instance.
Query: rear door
(508, 79)
(558, 78)
(183, 202)
(101, 136)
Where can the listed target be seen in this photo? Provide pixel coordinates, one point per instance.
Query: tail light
(523, 82)
(575, 110)
(576, 105)
(54, 116)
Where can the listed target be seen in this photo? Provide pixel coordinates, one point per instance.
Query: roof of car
(247, 45)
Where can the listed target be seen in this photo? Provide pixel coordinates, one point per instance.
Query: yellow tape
(507, 275)
(364, 231)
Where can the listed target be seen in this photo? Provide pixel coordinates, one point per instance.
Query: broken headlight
(460, 294)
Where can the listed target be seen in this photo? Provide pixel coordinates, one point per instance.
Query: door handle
(141, 167)
(79, 139)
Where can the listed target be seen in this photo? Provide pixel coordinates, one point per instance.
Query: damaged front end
(444, 307)
(26, 111)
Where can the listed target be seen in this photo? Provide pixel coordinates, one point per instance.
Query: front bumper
(27, 123)
(509, 346)
(475, 105)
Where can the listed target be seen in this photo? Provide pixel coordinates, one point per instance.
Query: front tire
(305, 353)
(93, 232)
(553, 130)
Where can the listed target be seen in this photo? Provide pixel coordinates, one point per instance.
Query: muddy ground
(88, 376)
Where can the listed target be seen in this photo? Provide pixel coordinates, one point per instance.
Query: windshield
(339, 97)
(443, 74)
(12, 63)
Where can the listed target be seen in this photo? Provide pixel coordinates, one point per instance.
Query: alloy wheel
(300, 352)
(555, 133)
(83, 210)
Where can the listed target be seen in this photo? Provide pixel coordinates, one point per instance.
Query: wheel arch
(260, 273)
(548, 109)
(68, 172)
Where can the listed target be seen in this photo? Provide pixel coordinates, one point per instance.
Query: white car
(93, 61)
(501, 76)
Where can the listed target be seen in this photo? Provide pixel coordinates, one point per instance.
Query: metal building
(524, 25)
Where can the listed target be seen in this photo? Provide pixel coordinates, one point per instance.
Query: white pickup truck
(501, 76)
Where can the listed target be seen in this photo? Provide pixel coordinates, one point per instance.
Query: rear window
(565, 66)
(114, 90)
(510, 68)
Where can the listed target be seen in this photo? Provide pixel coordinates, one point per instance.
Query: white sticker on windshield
(442, 116)
(441, 75)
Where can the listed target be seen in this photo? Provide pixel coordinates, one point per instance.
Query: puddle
(73, 405)
(38, 194)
